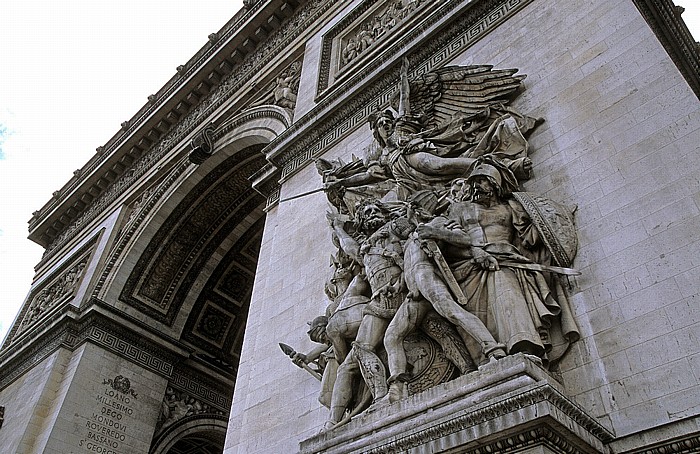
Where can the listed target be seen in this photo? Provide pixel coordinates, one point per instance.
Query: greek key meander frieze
(252, 64)
(204, 389)
(129, 351)
(96, 328)
(459, 36)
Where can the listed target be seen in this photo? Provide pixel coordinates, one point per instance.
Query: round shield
(555, 224)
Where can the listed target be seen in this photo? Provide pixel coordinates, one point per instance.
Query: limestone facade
(178, 258)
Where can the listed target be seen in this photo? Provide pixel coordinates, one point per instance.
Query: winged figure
(439, 124)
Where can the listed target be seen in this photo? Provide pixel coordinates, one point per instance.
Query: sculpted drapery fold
(437, 245)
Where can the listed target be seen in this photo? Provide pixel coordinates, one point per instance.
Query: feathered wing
(445, 92)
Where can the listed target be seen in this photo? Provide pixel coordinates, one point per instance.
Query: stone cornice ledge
(503, 407)
(677, 437)
(665, 20)
(306, 16)
(154, 103)
(100, 324)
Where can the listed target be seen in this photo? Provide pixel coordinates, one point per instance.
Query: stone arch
(237, 145)
(209, 430)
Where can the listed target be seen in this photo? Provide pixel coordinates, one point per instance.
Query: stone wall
(619, 142)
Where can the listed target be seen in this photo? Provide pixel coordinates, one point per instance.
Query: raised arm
(347, 243)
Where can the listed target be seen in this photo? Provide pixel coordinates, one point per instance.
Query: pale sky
(70, 72)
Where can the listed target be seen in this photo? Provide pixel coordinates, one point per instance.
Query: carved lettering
(107, 428)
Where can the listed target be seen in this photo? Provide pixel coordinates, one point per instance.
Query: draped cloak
(523, 309)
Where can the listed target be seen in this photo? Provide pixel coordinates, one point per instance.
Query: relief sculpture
(442, 264)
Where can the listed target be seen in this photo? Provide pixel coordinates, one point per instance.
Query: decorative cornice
(155, 101)
(665, 20)
(204, 388)
(155, 194)
(73, 327)
(542, 393)
(161, 278)
(306, 17)
(689, 444)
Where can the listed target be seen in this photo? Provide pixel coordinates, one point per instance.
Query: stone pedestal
(512, 405)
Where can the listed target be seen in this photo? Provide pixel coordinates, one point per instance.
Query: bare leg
(407, 318)
(342, 391)
(436, 291)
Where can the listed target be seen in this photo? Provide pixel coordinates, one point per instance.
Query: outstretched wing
(444, 92)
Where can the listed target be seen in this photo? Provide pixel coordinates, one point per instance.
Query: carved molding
(206, 426)
(138, 214)
(543, 393)
(163, 274)
(665, 20)
(142, 208)
(346, 43)
(178, 404)
(72, 329)
(156, 101)
(688, 444)
(204, 388)
(541, 411)
(253, 63)
(137, 354)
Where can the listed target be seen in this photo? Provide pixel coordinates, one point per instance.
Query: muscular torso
(379, 253)
(485, 224)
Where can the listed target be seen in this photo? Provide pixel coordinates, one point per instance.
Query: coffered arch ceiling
(184, 260)
(197, 269)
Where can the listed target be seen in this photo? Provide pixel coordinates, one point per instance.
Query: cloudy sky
(71, 71)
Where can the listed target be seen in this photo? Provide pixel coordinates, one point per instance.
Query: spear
(289, 351)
